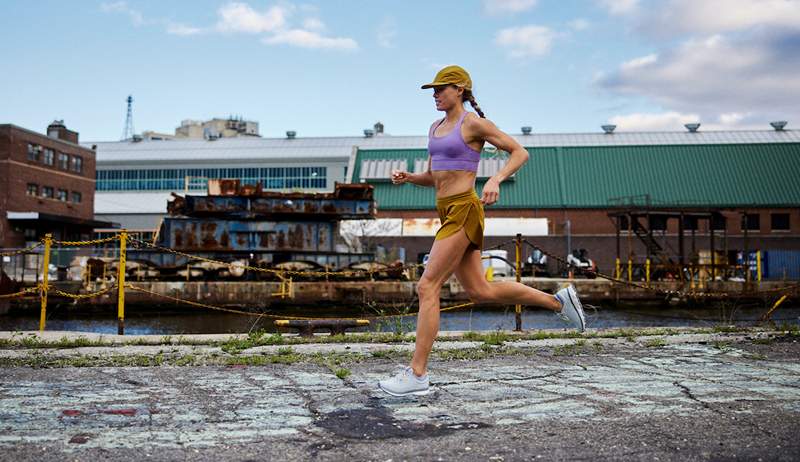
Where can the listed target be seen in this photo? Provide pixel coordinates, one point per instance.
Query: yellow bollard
(758, 266)
(490, 273)
(630, 270)
(123, 239)
(647, 271)
(48, 240)
(617, 269)
(518, 307)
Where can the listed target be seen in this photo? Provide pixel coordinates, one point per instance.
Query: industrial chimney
(778, 125)
(692, 127)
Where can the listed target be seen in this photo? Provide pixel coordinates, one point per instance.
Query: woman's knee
(428, 287)
(479, 294)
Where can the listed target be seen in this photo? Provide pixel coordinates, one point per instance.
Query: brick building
(47, 185)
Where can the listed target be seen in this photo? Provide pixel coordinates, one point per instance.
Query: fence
(53, 249)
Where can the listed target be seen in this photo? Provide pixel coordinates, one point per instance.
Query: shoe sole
(410, 393)
(574, 300)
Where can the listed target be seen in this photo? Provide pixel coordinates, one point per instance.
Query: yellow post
(518, 307)
(617, 269)
(647, 271)
(123, 239)
(48, 240)
(630, 270)
(758, 265)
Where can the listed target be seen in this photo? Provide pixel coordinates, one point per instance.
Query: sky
(334, 68)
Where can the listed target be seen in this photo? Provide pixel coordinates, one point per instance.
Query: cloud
(137, 19)
(273, 25)
(175, 28)
(387, 31)
(717, 75)
(709, 17)
(309, 39)
(665, 121)
(507, 6)
(734, 63)
(674, 121)
(240, 17)
(578, 24)
(620, 7)
(313, 24)
(526, 41)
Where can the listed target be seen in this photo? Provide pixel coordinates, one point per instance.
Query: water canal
(167, 320)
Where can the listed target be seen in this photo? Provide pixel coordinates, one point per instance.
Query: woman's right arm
(422, 179)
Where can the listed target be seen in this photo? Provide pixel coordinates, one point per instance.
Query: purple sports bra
(450, 152)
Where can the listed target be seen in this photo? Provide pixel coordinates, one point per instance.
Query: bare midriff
(450, 182)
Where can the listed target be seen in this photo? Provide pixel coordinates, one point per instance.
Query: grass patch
(656, 342)
(342, 373)
(721, 345)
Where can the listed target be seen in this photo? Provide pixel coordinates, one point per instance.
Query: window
(690, 223)
(62, 195)
(63, 161)
(76, 197)
(33, 189)
(751, 222)
(718, 222)
(658, 223)
(77, 164)
(779, 221)
(47, 192)
(33, 152)
(175, 179)
(49, 157)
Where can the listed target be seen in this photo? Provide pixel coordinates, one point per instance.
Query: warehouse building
(568, 196)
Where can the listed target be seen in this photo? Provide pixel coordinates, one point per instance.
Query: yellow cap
(451, 75)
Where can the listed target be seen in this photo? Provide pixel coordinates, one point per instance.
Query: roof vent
(526, 130)
(778, 125)
(692, 127)
(369, 133)
(609, 129)
(291, 134)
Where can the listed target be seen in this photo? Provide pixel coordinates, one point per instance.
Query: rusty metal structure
(244, 224)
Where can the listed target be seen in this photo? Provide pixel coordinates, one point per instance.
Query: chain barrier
(83, 243)
(22, 293)
(21, 251)
(281, 316)
(82, 296)
(681, 293)
(281, 273)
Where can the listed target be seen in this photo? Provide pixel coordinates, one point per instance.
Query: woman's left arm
(488, 131)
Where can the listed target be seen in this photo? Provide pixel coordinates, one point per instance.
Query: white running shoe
(571, 308)
(405, 383)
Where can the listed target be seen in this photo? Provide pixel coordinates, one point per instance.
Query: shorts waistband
(453, 197)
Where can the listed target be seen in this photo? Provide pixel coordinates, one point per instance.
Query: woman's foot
(571, 308)
(406, 383)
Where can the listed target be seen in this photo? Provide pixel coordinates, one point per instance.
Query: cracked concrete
(696, 398)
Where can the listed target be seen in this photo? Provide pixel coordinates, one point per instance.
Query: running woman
(455, 143)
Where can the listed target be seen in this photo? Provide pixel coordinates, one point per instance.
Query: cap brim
(432, 84)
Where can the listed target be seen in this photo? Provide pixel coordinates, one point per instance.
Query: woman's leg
(444, 257)
(470, 274)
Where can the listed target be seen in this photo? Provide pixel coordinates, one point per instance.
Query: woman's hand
(400, 177)
(491, 191)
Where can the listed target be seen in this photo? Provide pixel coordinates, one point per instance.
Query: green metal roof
(713, 175)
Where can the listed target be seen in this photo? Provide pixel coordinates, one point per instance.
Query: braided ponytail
(468, 96)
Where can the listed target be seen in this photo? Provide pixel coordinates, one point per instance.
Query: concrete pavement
(672, 397)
